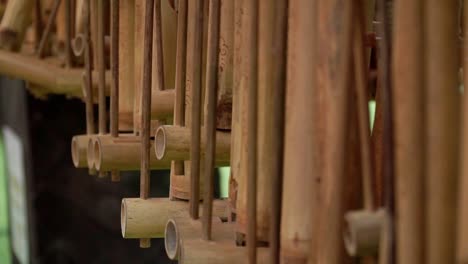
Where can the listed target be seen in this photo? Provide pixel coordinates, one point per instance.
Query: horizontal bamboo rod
(122, 153)
(173, 143)
(362, 233)
(147, 218)
(179, 229)
(79, 151)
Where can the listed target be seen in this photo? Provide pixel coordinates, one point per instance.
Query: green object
(5, 256)
(224, 181)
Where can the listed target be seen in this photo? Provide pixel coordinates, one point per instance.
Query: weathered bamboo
(196, 106)
(181, 56)
(462, 225)
(333, 58)
(114, 99)
(146, 108)
(303, 131)
(210, 115)
(14, 23)
(101, 68)
(442, 128)
(148, 217)
(173, 143)
(79, 16)
(138, 62)
(409, 126)
(123, 153)
(126, 64)
(179, 229)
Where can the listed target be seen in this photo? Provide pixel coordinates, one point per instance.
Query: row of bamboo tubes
(277, 90)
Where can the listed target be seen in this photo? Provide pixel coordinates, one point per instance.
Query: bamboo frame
(147, 218)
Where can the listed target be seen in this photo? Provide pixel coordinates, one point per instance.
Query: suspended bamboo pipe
(179, 229)
(333, 58)
(303, 134)
(14, 23)
(462, 225)
(173, 143)
(126, 64)
(408, 92)
(122, 153)
(442, 129)
(147, 218)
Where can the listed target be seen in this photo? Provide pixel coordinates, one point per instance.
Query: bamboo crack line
(146, 108)
(196, 111)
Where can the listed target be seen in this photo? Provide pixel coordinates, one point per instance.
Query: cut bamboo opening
(79, 150)
(147, 218)
(173, 143)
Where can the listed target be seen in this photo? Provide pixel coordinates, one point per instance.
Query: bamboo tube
(79, 149)
(126, 64)
(48, 28)
(303, 134)
(90, 152)
(148, 217)
(14, 23)
(162, 104)
(79, 16)
(60, 29)
(146, 108)
(196, 107)
(122, 153)
(225, 66)
(363, 232)
(101, 68)
(114, 99)
(78, 45)
(68, 34)
(179, 103)
(169, 40)
(173, 143)
(333, 74)
(210, 115)
(138, 62)
(179, 229)
(462, 225)
(442, 129)
(408, 121)
(158, 59)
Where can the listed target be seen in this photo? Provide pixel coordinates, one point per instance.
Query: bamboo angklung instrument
(333, 58)
(210, 115)
(302, 134)
(442, 129)
(196, 72)
(462, 225)
(408, 91)
(146, 108)
(14, 23)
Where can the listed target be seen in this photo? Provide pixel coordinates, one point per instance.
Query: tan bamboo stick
(180, 229)
(333, 59)
(58, 46)
(114, 99)
(179, 103)
(210, 115)
(148, 217)
(196, 108)
(462, 225)
(278, 46)
(169, 43)
(79, 16)
(48, 28)
(101, 68)
(146, 108)
(226, 66)
(158, 60)
(252, 118)
(126, 64)
(303, 134)
(68, 34)
(173, 143)
(123, 153)
(14, 23)
(138, 63)
(409, 126)
(162, 104)
(442, 128)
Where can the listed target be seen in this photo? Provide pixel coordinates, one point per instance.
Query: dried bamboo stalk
(14, 23)
(441, 129)
(408, 77)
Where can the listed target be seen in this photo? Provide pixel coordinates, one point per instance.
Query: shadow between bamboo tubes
(148, 217)
(173, 143)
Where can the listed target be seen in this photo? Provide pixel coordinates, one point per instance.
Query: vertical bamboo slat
(408, 98)
(442, 128)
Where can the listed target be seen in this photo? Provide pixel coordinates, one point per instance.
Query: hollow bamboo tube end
(160, 142)
(362, 232)
(78, 45)
(79, 146)
(171, 238)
